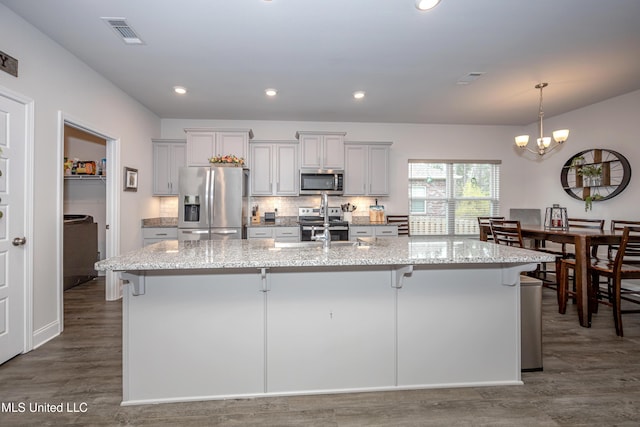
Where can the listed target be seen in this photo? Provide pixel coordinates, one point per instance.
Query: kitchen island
(244, 318)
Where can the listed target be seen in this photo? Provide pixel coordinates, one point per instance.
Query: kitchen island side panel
(193, 337)
(331, 330)
(459, 327)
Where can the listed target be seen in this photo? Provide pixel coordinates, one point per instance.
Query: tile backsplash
(287, 206)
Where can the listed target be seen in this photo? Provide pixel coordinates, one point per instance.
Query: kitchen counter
(205, 254)
(240, 319)
(160, 222)
(281, 221)
(364, 220)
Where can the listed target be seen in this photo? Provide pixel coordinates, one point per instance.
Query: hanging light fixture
(544, 142)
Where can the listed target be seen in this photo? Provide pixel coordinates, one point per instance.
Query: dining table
(583, 239)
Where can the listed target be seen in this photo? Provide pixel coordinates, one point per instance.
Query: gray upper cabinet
(204, 143)
(168, 156)
(321, 150)
(274, 170)
(366, 168)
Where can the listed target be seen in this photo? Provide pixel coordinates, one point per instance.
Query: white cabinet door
(200, 148)
(161, 172)
(333, 152)
(323, 335)
(311, 151)
(355, 170)
(202, 144)
(379, 170)
(286, 170)
(235, 143)
(261, 169)
(168, 157)
(320, 150)
(274, 169)
(367, 168)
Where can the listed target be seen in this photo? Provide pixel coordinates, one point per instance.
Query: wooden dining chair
(626, 265)
(595, 224)
(507, 232)
(402, 221)
(485, 221)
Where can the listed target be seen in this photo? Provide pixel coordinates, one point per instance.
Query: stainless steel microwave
(317, 181)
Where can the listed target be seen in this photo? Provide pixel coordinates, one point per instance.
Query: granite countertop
(364, 220)
(206, 254)
(281, 221)
(160, 222)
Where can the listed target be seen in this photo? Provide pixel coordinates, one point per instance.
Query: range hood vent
(123, 30)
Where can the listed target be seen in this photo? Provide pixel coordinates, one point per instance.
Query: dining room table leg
(580, 278)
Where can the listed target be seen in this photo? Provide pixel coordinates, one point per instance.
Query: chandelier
(544, 142)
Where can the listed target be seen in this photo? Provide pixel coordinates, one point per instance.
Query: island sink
(318, 244)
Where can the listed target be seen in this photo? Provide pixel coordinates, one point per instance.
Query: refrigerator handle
(209, 193)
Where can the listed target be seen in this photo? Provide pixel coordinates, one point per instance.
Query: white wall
(58, 82)
(612, 124)
(527, 181)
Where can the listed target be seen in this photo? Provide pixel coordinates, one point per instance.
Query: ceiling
(317, 53)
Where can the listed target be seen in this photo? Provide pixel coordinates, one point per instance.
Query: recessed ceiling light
(179, 90)
(358, 94)
(271, 92)
(426, 4)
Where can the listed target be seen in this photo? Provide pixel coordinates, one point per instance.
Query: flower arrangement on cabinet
(228, 159)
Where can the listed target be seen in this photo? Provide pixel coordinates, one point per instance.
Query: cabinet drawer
(355, 232)
(260, 232)
(168, 233)
(287, 232)
(386, 231)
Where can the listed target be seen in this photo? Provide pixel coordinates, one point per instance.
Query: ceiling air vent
(123, 30)
(469, 78)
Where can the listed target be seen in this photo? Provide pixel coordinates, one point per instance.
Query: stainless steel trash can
(530, 324)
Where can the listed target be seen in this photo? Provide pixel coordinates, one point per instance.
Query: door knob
(19, 241)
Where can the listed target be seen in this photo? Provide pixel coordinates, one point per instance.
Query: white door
(12, 227)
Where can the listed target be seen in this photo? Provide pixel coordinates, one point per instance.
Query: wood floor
(590, 378)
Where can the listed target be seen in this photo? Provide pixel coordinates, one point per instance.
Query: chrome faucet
(325, 237)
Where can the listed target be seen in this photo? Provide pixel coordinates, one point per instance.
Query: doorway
(85, 140)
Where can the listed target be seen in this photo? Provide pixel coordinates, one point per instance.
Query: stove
(310, 218)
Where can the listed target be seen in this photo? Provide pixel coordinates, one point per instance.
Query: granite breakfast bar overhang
(232, 319)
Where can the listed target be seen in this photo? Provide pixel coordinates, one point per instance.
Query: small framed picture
(130, 179)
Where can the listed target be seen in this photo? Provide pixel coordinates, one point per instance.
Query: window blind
(447, 196)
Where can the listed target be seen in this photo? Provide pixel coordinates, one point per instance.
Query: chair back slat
(507, 232)
(617, 226)
(629, 251)
(586, 223)
(485, 221)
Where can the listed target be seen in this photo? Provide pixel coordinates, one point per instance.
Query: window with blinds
(447, 196)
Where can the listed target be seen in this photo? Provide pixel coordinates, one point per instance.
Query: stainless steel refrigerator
(213, 203)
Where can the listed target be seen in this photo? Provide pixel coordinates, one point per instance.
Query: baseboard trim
(45, 334)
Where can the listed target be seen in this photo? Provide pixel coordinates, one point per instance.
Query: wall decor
(595, 174)
(130, 179)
